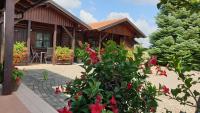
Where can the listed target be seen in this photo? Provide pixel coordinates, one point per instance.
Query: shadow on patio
(34, 79)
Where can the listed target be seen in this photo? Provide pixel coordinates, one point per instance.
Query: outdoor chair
(35, 55)
(48, 54)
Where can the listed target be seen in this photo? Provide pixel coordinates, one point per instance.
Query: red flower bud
(152, 109)
(129, 86)
(113, 101)
(165, 90)
(163, 73)
(153, 61)
(57, 90)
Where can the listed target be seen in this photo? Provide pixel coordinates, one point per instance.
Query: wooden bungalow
(48, 25)
(118, 30)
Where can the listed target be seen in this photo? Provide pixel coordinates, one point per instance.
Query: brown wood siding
(47, 15)
(120, 30)
(20, 35)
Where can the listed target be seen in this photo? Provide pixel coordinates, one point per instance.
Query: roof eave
(69, 14)
(140, 35)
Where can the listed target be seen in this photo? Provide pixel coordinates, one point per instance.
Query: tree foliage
(178, 34)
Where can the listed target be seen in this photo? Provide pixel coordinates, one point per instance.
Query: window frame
(43, 40)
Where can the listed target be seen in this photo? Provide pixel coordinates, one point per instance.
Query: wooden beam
(74, 40)
(22, 5)
(9, 41)
(54, 45)
(29, 40)
(67, 31)
(2, 42)
(29, 1)
(100, 40)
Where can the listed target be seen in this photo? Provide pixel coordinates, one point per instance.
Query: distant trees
(179, 32)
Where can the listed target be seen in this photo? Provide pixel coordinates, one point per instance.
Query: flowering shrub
(19, 53)
(112, 83)
(63, 53)
(185, 89)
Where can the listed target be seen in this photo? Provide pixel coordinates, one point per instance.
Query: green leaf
(196, 93)
(175, 92)
(188, 82)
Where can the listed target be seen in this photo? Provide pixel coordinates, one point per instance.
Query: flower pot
(79, 60)
(16, 84)
(61, 61)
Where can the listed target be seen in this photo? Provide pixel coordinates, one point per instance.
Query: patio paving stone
(44, 88)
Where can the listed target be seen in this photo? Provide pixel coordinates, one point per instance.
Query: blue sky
(141, 12)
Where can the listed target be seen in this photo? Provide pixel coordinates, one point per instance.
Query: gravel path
(69, 72)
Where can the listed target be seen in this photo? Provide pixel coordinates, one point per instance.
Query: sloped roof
(68, 14)
(100, 26)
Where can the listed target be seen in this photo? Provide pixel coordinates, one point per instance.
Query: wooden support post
(9, 41)
(74, 39)
(29, 41)
(2, 43)
(54, 45)
(100, 40)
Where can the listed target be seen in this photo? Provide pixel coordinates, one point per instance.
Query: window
(42, 40)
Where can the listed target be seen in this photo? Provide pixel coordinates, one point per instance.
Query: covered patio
(46, 26)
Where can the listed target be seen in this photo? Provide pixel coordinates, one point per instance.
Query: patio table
(41, 56)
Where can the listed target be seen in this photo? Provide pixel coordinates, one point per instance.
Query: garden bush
(63, 53)
(19, 53)
(113, 83)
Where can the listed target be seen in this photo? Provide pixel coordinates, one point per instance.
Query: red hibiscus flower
(129, 86)
(113, 101)
(57, 91)
(152, 109)
(98, 99)
(153, 61)
(93, 55)
(165, 90)
(96, 108)
(64, 110)
(163, 73)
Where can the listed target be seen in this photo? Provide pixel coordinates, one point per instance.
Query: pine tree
(178, 35)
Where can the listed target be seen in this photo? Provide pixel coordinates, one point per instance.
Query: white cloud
(69, 4)
(145, 2)
(114, 15)
(87, 17)
(142, 24)
(145, 42)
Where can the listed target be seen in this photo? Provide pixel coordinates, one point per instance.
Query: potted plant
(16, 78)
(19, 53)
(79, 53)
(64, 54)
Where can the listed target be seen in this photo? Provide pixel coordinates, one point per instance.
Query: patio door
(43, 40)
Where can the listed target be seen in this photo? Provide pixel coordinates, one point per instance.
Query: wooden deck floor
(24, 101)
